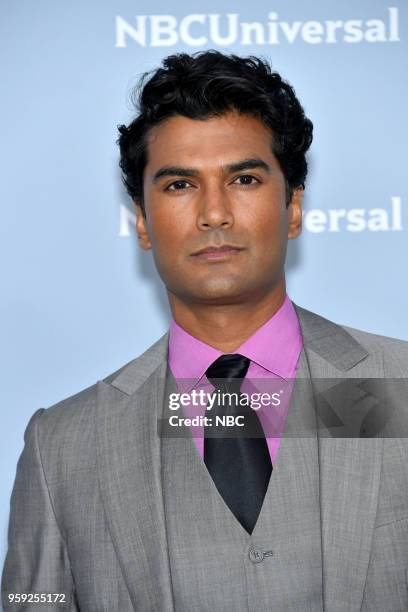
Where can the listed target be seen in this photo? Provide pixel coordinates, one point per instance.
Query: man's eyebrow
(174, 171)
(248, 164)
(244, 164)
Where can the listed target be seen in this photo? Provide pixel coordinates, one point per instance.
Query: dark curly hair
(209, 83)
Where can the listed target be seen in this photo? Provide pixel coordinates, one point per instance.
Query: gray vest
(215, 564)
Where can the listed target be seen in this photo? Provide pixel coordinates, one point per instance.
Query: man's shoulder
(376, 342)
(394, 351)
(315, 322)
(75, 411)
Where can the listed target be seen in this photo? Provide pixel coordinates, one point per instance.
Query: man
(304, 515)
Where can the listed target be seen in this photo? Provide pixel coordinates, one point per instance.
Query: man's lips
(217, 252)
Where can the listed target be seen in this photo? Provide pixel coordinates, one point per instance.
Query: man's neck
(225, 326)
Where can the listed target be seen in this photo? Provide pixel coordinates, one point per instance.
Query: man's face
(216, 183)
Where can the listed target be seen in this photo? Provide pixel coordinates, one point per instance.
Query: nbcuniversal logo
(200, 30)
(317, 221)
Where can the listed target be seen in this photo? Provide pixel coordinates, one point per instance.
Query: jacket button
(256, 556)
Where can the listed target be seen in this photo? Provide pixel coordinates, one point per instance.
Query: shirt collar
(274, 346)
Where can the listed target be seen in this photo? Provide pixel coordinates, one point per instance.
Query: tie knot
(227, 369)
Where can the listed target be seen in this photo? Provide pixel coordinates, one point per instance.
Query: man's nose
(214, 209)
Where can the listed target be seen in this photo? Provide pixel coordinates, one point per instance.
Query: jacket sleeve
(37, 558)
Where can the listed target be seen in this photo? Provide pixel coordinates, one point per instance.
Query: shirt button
(256, 556)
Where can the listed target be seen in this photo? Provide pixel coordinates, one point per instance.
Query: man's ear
(141, 229)
(295, 213)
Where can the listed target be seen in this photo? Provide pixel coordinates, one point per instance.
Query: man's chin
(220, 295)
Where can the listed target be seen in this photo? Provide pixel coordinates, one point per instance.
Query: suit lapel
(130, 481)
(350, 467)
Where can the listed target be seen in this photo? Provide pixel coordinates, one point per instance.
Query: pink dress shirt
(274, 351)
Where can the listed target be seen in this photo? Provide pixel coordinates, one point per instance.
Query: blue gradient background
(78, 299)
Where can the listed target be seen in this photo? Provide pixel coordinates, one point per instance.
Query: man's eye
(246, 179)
(177, 186)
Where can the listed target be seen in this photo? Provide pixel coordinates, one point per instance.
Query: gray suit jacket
(87, 514)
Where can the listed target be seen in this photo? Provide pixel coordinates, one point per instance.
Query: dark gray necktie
(240, 464)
